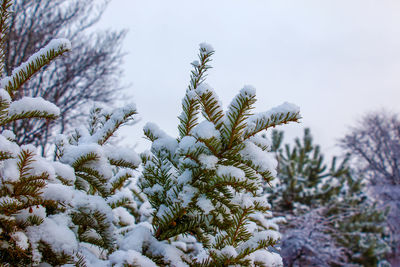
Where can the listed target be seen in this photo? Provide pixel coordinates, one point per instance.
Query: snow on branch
(237, 114)
(29, 107)
(281, 114)
(4, 17)
(190, 102)
(44, 56)
(31, 104)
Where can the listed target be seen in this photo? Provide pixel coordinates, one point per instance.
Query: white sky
(335, 59)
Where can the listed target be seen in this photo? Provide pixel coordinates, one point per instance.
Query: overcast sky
(335, 59)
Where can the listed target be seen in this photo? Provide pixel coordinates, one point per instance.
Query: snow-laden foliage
(329, 203)
(205, 201)
(29, 221)
(207, 183)
(99, 198)
(76, 208)
(199, 200)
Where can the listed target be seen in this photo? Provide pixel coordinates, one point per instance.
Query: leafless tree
(375, 145)
(88, 74)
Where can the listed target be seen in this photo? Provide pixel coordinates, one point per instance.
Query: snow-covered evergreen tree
(330, 203)
(207, 183)
(304, 178)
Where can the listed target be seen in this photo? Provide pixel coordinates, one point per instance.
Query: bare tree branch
(89, 73)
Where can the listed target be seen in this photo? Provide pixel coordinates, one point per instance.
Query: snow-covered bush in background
(330, 218)
(374, 145)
